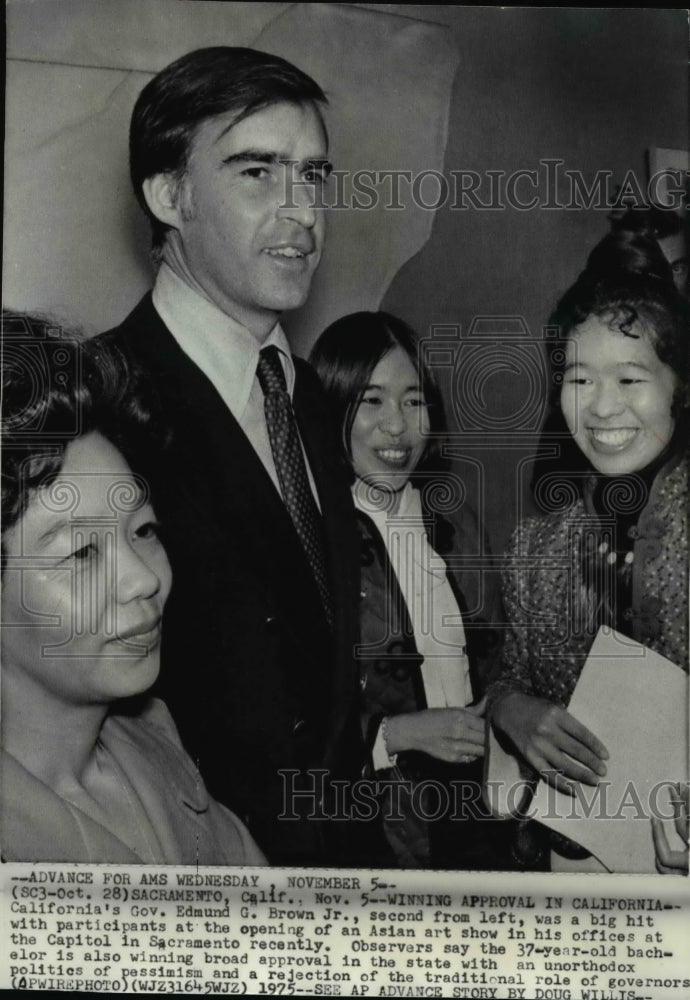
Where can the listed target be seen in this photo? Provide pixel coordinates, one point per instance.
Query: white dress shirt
(434, 613)
(228, 354)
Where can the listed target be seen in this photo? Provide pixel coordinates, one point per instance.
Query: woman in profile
(427, 645)
(92, 768)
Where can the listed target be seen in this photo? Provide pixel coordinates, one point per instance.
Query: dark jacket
(254, 677)
(461, 835)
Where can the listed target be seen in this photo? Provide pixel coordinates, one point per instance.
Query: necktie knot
(270, 372)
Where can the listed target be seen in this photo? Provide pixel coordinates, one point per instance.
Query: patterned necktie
(291, 468)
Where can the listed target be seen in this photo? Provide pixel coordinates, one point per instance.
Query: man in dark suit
(228, 153)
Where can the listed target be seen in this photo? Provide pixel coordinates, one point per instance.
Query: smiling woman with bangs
(427, 643)
(613, 550)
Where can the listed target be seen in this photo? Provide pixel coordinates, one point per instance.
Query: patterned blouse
(548, 640)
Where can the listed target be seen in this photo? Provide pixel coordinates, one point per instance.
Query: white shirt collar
(428, 596)
(225, 351)
(374, 504)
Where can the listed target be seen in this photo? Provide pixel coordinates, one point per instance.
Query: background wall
(595, 88)
(76, 241)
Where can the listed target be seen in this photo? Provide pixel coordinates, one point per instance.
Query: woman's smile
(617, 396)
(611, 440)
(395, 456)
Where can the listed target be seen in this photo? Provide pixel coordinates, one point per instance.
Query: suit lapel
(209, 446)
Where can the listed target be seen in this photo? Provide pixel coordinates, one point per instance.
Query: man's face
(248, 234)
(675, 251)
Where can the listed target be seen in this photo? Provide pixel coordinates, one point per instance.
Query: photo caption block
(330, 933)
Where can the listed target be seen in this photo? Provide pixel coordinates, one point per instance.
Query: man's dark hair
(198, 86)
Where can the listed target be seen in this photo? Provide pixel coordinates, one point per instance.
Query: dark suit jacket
(254, 677)
(461, 834)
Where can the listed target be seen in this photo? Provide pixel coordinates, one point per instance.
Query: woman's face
(617, 397)
(86, 581)
(387, 439)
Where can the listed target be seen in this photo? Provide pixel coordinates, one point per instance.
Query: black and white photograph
(345, 416)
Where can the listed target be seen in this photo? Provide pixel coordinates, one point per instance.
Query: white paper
(636, 702)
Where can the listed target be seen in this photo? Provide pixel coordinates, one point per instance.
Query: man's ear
(162, 192)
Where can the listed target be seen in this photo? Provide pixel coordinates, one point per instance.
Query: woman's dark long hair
(344, 356)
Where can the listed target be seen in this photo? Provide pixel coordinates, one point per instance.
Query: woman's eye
(372, 400)
(149, 530)
(631, 381)
(577, 381)
(416, 401)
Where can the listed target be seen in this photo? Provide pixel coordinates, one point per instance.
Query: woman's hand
(670, 862)
(551, 740)
(455, 735)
